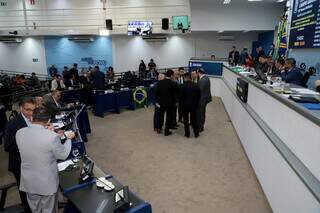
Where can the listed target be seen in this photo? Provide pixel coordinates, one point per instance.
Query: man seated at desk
(40, 148)
(292, 74)
(53, 104)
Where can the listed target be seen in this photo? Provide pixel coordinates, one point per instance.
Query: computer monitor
(261, 75)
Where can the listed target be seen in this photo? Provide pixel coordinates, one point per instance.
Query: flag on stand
(281, 48)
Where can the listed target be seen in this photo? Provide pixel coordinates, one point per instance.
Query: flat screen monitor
(139, 28)
(261, 75)
(180, 22)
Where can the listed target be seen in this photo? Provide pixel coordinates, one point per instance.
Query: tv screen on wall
(180, 22)
(140, 28)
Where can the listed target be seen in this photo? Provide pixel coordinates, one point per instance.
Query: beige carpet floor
(210, 174)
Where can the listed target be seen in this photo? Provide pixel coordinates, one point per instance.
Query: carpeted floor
(175, 174)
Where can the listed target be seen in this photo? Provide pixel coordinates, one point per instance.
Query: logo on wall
(91, 61)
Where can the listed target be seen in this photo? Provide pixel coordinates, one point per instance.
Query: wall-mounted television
(139, 28)
(180, 22)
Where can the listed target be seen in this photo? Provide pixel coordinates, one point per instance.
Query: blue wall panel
(62, 52)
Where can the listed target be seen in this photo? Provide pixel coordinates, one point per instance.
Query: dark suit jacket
(236, 57)
(166, 93)
(10, 144)
(51, 106)
(98, 79)
(204, 85)
(294, 76)
(189, 96)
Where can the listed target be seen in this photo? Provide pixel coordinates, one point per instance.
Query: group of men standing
(177, 91)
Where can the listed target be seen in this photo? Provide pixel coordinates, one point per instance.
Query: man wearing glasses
(23, 119)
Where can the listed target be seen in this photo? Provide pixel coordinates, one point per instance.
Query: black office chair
(4, 190)
(306, 76)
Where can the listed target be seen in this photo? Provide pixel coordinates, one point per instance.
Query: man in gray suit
(40, 147)
(205, 98)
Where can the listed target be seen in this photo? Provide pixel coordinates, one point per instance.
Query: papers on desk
(108, 91)
(304, 91)
(58, 125)
(63, 165)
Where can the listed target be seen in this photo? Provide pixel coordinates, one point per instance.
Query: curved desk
(281, 139)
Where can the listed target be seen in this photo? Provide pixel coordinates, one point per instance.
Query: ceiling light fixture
(226, 1)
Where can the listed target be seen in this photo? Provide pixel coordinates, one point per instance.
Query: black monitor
(261, 75)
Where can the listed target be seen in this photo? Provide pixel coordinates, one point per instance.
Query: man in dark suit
(292, 74)
(53, 104)
(27, 105)
(205, 98)
(98, 78)
(74, 74)
(165, 95)
(189, 101)
(234, 56)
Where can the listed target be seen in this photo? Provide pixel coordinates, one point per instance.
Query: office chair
(311, 71)
(11, 209)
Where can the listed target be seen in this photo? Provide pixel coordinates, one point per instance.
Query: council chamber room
(140, 106)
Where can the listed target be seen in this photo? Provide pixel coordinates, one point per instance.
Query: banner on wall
(282, 41)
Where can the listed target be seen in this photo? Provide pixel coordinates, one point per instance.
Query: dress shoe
(167, 133)
(158, 131)
(196, 135)
(187, 135)
(201, 129)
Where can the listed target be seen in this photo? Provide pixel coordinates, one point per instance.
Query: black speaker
(109, 24)
(165, 24)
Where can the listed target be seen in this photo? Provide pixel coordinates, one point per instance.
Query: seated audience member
(189, 101)
(39, 101)
(57, 83)
(249, 62)
(292, 74)
(53, 104)
(97, 78)
(34, 81)
(279, 65)
(317, 85)
(263, 64)
(110, 74)
(40, 148)
(23, 119)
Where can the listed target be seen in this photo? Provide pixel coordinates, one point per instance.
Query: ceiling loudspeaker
(165, 24)
(109, 24)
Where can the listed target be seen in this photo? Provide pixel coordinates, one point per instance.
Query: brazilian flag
(140, 97)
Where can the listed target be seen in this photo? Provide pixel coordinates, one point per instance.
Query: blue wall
(62, 52)
(265, 40)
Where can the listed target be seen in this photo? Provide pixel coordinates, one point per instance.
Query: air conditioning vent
(226, 38)
(156, 38)
(81, 39)
(10, 39)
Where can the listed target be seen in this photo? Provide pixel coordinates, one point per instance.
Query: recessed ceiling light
(254, 0)
(280, 1)
(226, 1)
